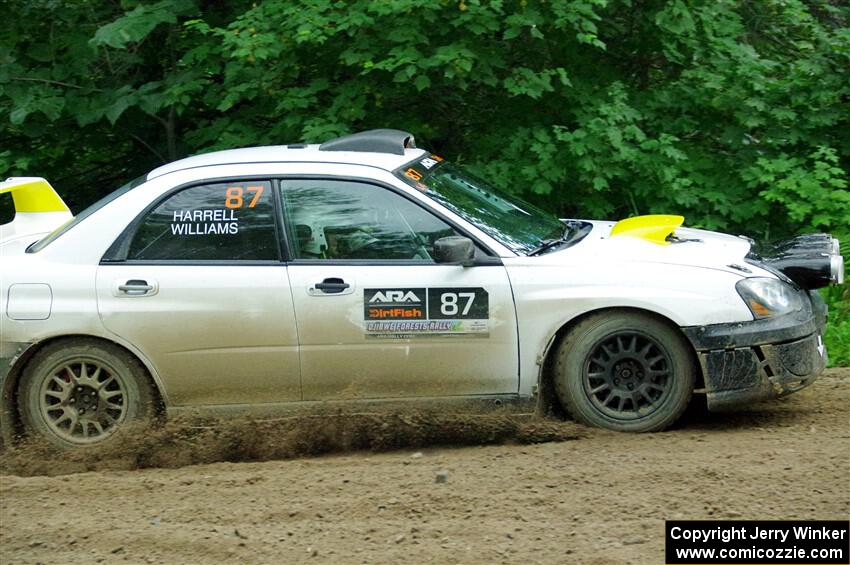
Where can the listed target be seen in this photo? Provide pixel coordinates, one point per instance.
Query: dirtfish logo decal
(394, 296)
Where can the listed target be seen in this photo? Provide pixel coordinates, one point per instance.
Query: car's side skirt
(516, 403)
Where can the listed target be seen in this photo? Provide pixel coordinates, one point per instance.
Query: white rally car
(366, 269)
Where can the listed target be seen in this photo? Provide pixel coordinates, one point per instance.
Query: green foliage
(838, 333)
(138, 23)
(732, 112)
(837, 336)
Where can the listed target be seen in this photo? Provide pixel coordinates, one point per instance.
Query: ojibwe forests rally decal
(221, 221)
(403, 313)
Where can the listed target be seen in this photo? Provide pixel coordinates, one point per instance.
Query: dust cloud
(192, 440)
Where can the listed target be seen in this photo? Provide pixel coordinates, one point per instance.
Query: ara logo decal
(394, 296)
(394, 304)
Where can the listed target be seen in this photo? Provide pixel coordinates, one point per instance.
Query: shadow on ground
(772, 414)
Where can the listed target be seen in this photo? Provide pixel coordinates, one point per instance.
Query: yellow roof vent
(653, 228)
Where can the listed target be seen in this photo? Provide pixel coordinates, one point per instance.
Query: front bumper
(745, 362)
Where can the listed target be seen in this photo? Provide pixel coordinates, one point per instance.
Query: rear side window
(213, 222)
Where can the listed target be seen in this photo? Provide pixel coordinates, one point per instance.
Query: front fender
(550, 297)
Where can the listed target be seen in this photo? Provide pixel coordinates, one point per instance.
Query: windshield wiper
(545, 246)
(571, 229)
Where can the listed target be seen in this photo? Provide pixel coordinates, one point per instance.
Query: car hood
(686, 247)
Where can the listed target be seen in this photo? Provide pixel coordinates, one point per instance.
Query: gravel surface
(600, 498)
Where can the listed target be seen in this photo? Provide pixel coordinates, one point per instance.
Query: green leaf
(114, 112)
(18, 115)
(137, 24)
(421, 82)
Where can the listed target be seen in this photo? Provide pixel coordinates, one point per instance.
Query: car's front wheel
(83, 392)
(624, 371)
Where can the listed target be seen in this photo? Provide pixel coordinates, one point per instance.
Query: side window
(328, 219)
(222, 221)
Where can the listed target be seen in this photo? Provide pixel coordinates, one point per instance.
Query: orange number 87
(233, 196)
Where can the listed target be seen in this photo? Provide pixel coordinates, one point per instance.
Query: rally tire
(80, 392)
(624, 371)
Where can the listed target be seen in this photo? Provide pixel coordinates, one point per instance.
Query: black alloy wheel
(627, 375)
(624, 370)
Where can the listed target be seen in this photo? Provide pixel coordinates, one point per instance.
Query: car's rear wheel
(83, 392)
(624, 371)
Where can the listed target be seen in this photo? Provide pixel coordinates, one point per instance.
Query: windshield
(55, 234)
(520, 226)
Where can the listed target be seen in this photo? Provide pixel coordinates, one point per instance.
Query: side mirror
(454, 250)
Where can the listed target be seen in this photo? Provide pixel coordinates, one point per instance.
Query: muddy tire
(82, 392)
(624, 371)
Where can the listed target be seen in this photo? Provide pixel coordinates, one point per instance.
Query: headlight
(836, 268)
(768, 297)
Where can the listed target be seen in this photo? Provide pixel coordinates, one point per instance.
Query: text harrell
(204, 222)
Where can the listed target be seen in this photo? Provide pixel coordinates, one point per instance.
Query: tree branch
(171, 135)
(148, 147)
(56, 82)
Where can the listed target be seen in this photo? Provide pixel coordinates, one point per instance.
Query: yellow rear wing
(33, 195)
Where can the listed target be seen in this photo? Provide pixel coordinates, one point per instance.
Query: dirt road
(601, 498)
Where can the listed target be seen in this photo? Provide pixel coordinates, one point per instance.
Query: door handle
(332, 286)
(135, 287)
